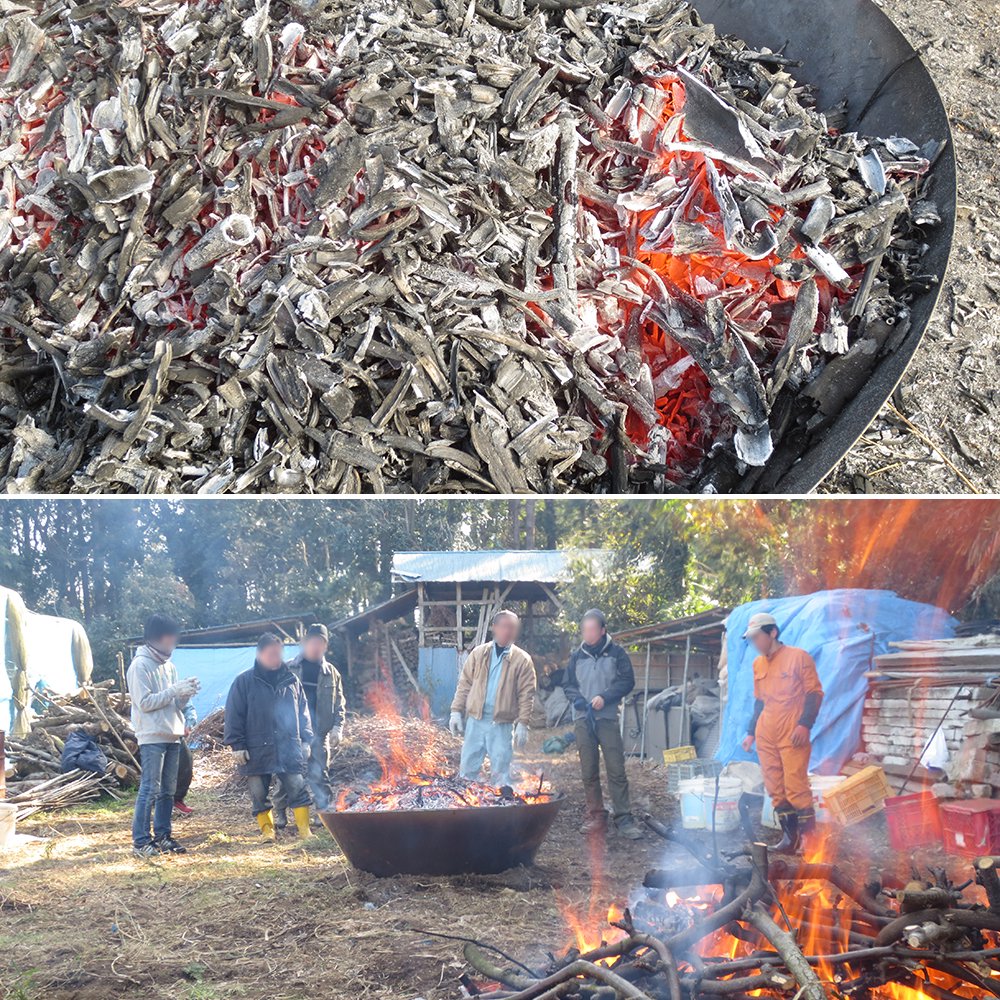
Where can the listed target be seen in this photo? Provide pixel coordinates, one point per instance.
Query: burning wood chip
(256, 246)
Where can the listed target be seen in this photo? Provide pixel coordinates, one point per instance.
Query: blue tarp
(841, 630)
(437, 675)
(216, 669)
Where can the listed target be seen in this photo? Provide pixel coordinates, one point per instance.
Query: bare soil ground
(82, 919)
(951, 393)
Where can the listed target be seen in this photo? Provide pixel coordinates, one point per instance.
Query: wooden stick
(114, 731)
(986, 876)
(785, 945)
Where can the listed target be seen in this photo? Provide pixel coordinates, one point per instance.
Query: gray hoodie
(157, 710)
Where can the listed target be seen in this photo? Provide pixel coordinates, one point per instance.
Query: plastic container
(676, 773)
(820, 785)
(913, 821)
(971, 828)
(858, 797)
(679, 754)
(698, 797)
(726, 803)
(692, 796)
(8, 822)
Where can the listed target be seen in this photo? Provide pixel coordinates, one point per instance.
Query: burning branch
(778, 928)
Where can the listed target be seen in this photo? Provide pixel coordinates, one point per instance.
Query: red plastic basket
(913, 820)
(971, 828)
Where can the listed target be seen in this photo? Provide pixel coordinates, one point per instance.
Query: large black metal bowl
(482, 840)
(850, 49)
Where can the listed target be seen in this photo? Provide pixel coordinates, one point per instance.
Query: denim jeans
(156, 791)
(293, 790)
(486, 738)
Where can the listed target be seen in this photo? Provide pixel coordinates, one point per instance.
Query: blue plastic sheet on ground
(216, 669)
(842, 630)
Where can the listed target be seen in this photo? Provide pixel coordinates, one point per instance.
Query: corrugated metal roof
(494, 565)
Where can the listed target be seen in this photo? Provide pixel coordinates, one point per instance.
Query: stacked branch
(945, 948)
(34, 767)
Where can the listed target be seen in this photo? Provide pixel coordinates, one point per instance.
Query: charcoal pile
(440, 791)
(36, 778)
(369, 246)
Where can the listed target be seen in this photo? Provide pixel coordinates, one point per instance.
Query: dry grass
(84, 919)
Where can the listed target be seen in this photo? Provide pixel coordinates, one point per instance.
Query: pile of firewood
(35, 778)
(925, 936)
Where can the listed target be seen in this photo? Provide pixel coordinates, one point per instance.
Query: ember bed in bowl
(848, 49)
(480, 839)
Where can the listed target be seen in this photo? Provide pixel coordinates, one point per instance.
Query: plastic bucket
(691, 792)
(8, 820)
(820, 785)
(726, 803)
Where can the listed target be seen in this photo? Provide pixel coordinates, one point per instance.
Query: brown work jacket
(515, 696)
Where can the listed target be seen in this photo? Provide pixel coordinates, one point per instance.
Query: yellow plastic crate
(679, 754)
(858, 797)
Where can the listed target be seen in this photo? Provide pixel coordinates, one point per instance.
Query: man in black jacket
(269, 731)
(598, 676)
(324, 689)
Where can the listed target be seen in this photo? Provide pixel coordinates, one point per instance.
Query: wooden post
(3, 764)
(458, 619)
(645, 700)
(420, 612)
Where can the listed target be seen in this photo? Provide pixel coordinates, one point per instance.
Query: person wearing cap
(596, 679)
(324, 689)
(788, 695)
(269, 731)
(493, 702)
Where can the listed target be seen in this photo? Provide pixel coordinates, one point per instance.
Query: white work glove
(455, 724)
(241, 756)
(336, 736)
(520, 735)
(186, 689)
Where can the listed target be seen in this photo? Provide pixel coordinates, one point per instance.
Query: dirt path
(951, 392)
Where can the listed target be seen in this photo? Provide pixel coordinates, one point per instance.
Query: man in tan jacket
(493, 701)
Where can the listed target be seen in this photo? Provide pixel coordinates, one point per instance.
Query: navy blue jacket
(270, 721)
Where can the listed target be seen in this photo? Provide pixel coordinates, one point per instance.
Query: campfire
(402, 247)
(781, 927)
(419, 817)
(421, 777)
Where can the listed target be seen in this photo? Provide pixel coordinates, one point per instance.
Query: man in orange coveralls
(787, 695)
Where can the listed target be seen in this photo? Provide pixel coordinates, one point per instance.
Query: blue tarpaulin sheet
(437, 675)
(216, 669)
(842, 630)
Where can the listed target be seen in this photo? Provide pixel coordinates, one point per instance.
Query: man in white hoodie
(158, 701)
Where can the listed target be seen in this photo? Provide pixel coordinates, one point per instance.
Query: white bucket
(820, 784)
(691, 792)
(727, 804)
(8, 820)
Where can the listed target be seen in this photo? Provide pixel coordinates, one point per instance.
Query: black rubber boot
(792, 840)
(807, 820)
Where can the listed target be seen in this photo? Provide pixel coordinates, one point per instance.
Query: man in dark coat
(599, 674)
(324, 690)
(269, 731)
